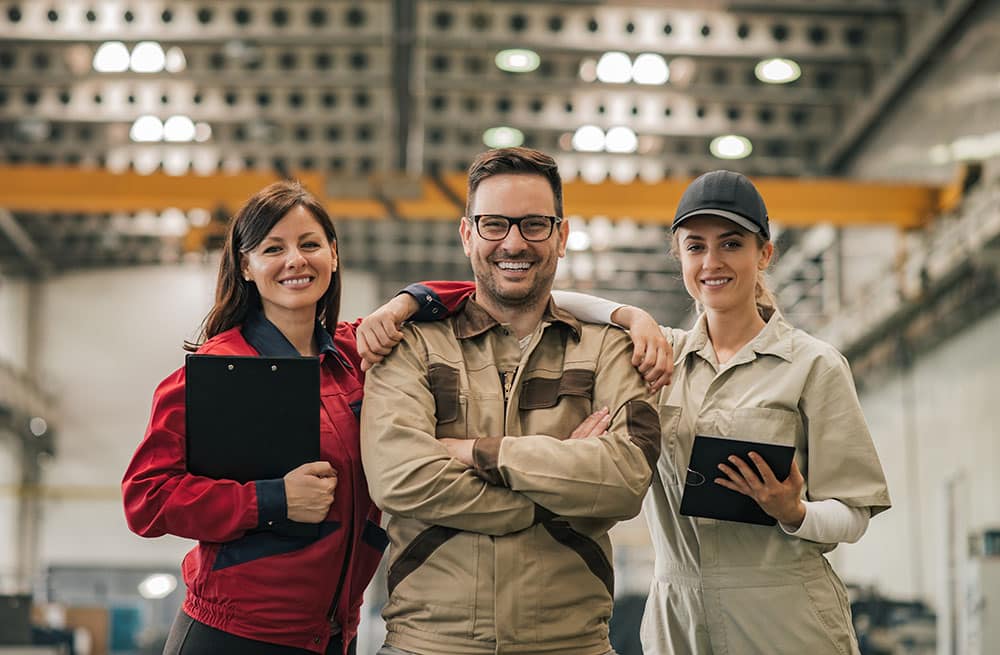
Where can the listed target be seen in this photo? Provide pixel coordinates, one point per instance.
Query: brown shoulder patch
(643, 426)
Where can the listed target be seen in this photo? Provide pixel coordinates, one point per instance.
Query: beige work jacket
(512, 557)
(724, 588)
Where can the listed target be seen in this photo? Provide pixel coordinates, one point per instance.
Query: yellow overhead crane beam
(792, 202)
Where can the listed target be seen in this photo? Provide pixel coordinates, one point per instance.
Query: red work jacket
(242, 577)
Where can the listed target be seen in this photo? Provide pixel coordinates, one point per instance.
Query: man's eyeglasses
(496, 227)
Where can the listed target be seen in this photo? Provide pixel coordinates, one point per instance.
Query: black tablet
(703, 497)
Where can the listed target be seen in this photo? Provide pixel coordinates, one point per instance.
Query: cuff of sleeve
(802, 529)
(486, 458)
(430, 306)
(272, 507)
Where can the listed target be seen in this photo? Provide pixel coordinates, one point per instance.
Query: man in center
(505, 442)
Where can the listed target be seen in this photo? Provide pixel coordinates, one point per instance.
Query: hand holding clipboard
(704, 497)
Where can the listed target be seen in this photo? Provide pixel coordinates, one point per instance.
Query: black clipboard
(252, 418)
(704, 498)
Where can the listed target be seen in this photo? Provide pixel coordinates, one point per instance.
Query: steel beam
(25, 246)
(793, 202)
(935, 29)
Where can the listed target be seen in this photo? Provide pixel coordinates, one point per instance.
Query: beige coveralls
(724, 588)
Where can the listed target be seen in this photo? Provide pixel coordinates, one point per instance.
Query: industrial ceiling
(361, 93)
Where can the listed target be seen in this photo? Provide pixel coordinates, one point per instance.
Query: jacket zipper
(331, 615)
(507, 380)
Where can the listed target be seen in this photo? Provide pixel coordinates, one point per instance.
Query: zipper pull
(508, 383)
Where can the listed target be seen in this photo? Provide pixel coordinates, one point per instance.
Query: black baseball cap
(728, 195)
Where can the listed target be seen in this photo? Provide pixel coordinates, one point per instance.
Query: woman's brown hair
(236, 297)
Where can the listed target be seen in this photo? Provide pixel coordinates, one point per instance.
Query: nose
(295, 258)
(514, 241)
(712, 258)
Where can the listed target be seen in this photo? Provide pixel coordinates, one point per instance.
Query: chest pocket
(449, 403)
(572, 393)
(780, 426)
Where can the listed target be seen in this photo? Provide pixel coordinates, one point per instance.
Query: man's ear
(563, 236)
(465, 231)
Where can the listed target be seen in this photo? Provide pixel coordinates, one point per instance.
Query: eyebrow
(724, 235)
(307, 235)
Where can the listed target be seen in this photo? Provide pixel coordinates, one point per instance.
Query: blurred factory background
(131, 129)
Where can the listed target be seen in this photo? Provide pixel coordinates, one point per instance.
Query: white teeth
(514, 266)
(716, 283)
(295, 282)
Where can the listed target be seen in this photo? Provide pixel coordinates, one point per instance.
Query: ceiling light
(158, 585)
(614, 68)
(146, 162)
(621, 139)
(202, 132)
(731, 146)
(38, 426)
(650, 68)
(578, 240)
(199, 217)
(517, 60)
(111, 57)
(174, 60)
(588, 70)
(176, 162)
(777, 71)
(173, 223)
(588, 138)
(148, 57)
(503, 137)
(178, 129)
(146, 128)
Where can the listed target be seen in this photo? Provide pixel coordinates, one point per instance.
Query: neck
(730, 330)
(298, 327)
(524, 319)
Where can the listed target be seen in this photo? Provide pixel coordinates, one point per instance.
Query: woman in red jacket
(249, 589)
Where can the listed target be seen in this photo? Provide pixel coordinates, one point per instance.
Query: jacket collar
(773, 339)
(472, 320)
(269, 341)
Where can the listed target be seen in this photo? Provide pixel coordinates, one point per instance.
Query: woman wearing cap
(744, 372)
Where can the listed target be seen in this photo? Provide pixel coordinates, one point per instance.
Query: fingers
(317, 469)
(638, 351)
(659, 374)
(749, 475)
(734, 480)
(729, 484)
(766, 474)
(795, 475)
(387, 335)
(594, 425)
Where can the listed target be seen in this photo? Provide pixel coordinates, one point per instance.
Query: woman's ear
(245, 268)
(765, 256)
(333, 252)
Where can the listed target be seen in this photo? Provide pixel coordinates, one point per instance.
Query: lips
(297, 282)
(513, 266)
(716, 282)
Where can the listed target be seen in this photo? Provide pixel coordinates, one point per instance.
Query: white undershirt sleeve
(587, 308)
(831, 522)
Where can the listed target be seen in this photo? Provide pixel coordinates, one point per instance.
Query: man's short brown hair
(514, 161)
